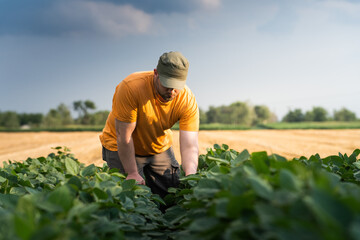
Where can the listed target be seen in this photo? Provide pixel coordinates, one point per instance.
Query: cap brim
(172, 82)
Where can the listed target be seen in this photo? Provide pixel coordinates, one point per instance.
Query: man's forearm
(190, 156)
(126, 154)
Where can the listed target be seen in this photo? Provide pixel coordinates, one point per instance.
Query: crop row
(234, 195)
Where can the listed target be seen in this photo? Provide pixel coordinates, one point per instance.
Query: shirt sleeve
(189, 121)
(124, 105)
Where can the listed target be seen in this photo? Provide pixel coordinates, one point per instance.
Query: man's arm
(126, 149)
(189, 150)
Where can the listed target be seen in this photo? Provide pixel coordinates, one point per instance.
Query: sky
(284, 54)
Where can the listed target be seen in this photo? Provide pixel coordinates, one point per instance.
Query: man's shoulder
(138, 78)
(186, 92)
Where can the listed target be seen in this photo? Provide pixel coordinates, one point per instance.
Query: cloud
(86, 17)
(168, 6)
(90, 17)
(76, 17)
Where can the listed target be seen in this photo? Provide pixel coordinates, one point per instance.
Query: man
(137, 138)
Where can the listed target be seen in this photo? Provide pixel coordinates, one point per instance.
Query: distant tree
(203, 116)
(344, 115)
(241, 113)
(9, 120)
(211, 115)
(318, 114)
(65, 114)
(262, 113)
(294, 116)
(83, 107)
(52, 119)
(238, 113)
(309, 116)
(58, 117)
(32, 119)
(99, 118)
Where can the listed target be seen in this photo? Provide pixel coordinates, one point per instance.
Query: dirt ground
(288, 143)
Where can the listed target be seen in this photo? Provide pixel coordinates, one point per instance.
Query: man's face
(167, 94)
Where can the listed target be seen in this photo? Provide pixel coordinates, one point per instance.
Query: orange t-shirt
(135, 100)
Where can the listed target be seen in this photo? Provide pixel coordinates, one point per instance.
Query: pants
(160, 171)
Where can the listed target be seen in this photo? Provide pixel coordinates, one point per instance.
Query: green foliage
(58, 198)
(237, 113)
(313, 125)
(294, 116)
(83, 108)
(262, 113)
(238, 195)
(32, 119)
(57, 118)
(344, 115)
(234, 195)
(99, 118)
(203, 116)
(9, 120)
(317, 114)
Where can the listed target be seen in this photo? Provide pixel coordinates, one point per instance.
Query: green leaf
(206, 188)
(217, 146)
(24, 220)
(175, 214)
(72, 166)
(356, 153)
(100, 194)
(31, 190)
(128, 184)
(259, 160)
(8, 200)
(203, 224)
(238, 203)
(279, 158)
(76, 182)
(328, 209)
(158, 199)
(357, 164)
(63, 197)
(337, 161)
(288, 180)
(18, 191)
(128, 203)
(2, 179)
(83, 211)
(88, 171)
(243, 156)
(225, 147)
(261, 187)
(218, 160)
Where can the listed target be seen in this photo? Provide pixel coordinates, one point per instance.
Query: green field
(313, 125)
(234, 195)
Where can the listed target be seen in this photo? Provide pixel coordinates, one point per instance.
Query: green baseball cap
(173, 68)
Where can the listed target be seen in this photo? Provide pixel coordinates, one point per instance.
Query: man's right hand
(139, 179)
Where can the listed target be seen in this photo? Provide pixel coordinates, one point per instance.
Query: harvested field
(288, 143)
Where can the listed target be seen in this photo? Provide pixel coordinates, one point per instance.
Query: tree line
(319, 114)
(56, 117)
(242, 113)
(237, 113)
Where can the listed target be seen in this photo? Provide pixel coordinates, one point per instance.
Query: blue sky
(280, 53)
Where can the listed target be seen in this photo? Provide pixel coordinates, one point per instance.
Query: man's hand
(137, 177)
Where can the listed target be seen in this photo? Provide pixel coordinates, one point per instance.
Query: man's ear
(156, 72)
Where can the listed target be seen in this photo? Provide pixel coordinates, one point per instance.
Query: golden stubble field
(87, 148)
